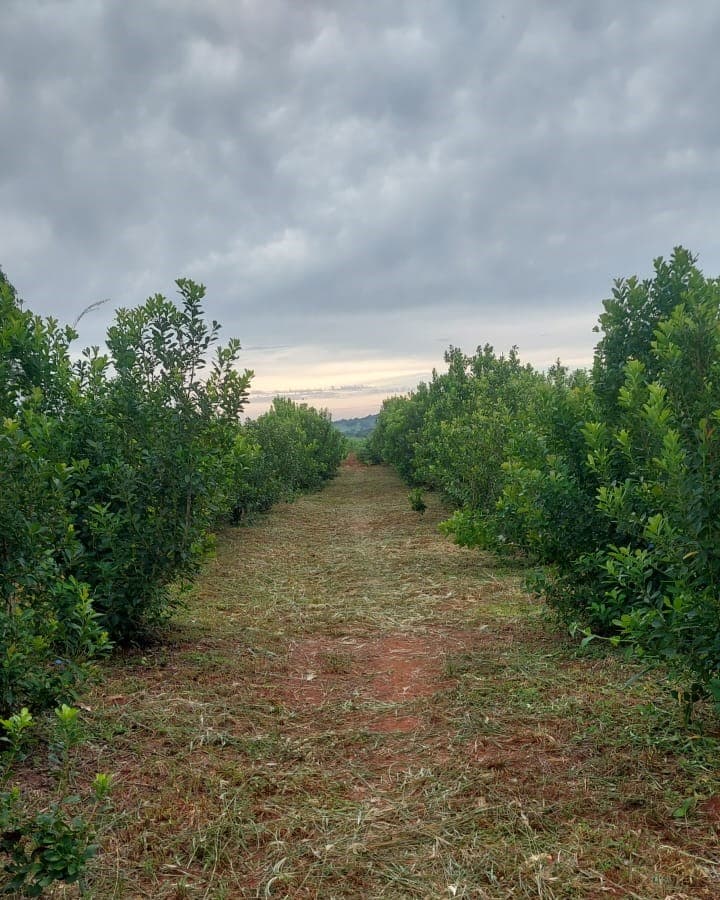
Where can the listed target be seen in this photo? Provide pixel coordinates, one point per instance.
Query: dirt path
(354, 707)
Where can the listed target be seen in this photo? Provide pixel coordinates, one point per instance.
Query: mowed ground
(352, 706)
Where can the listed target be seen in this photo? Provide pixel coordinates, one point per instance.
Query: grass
(351, 706)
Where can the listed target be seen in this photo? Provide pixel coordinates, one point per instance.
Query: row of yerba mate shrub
(115, 467)
(607, 479)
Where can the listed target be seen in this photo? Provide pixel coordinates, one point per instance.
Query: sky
(358, 183)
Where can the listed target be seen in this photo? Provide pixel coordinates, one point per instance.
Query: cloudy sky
(359, 183)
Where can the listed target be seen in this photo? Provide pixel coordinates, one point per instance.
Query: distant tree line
(358, 427)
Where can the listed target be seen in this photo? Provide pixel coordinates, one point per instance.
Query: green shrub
(660, 488)
(49, 631)
(159, 436)
(417, 500)
(298, 449)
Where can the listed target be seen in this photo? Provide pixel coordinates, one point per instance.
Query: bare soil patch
(352, 462)
(395, 668)
(393, 724)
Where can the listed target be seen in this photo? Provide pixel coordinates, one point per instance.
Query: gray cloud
(354, 176)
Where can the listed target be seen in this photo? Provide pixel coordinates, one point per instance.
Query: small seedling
(68, 735)
(17, 728)
(416, 500)
(102, 785)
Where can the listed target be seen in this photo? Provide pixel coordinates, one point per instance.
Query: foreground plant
(55, 843)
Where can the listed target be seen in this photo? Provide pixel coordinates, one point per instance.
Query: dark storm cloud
(357, 174)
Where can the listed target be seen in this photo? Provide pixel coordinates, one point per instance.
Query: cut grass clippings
(351, 706)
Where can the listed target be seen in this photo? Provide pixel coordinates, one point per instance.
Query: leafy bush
(629, 320)
(453, 434)
(157, 439)
(417, 500)
(660, 488)
(49, 631)
(394, 438)
(297, 449)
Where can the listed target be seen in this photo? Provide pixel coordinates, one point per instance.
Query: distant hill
(356, 427)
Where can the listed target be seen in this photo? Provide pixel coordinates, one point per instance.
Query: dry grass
(354, 707)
